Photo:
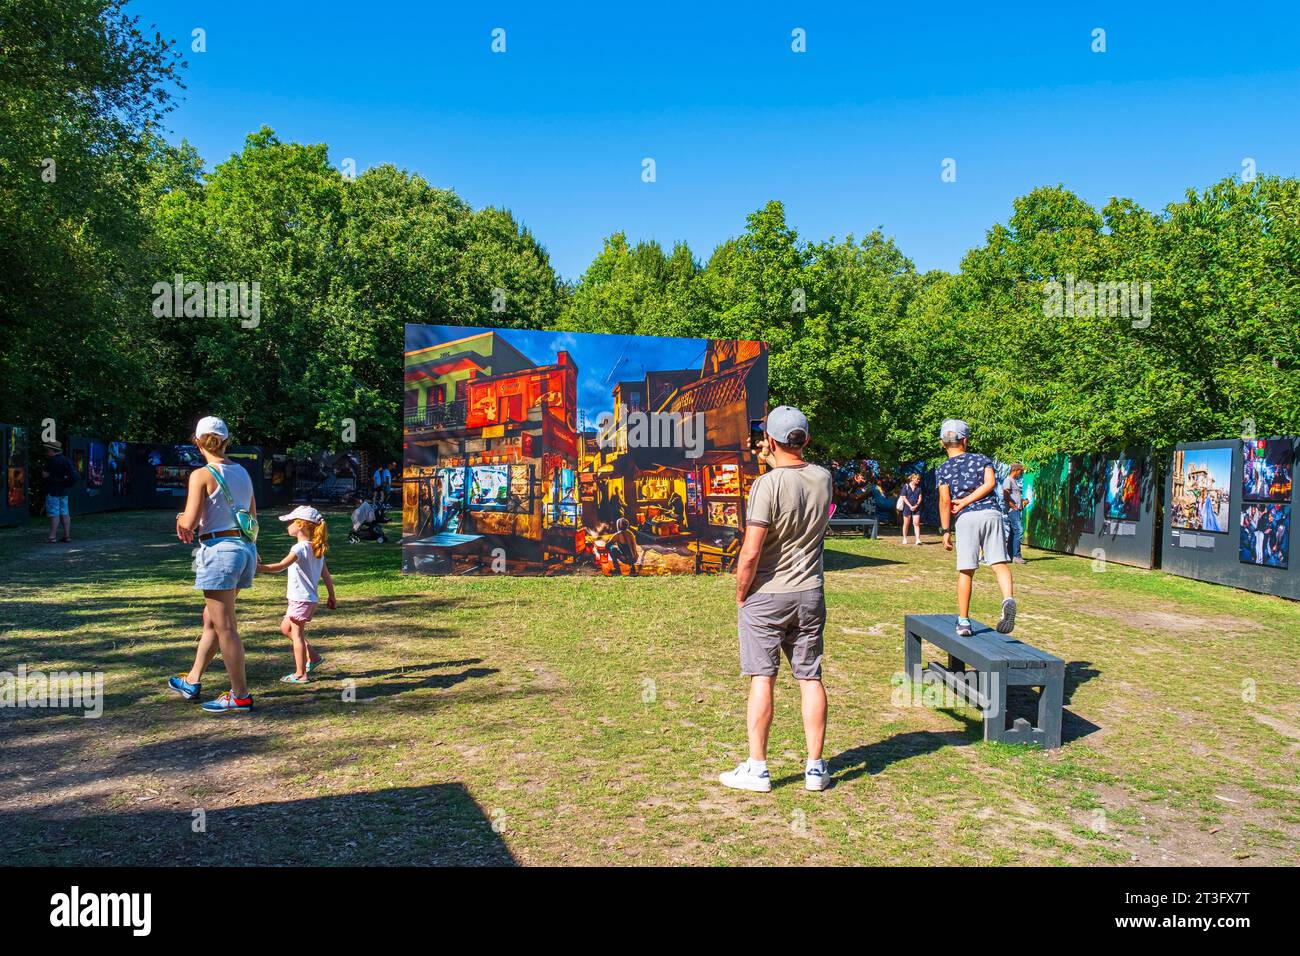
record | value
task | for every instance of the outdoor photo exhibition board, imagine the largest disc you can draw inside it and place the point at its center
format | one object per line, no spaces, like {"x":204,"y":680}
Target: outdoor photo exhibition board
{"x":1228,"y":514}
{"x":555,"y":452}
{"x":13,"y":475}
{"x":105,"y":476}
{"x":1101,"y":506}
{"x":115,"y":475}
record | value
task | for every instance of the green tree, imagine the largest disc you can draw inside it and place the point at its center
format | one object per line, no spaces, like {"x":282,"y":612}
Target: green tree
{"x":80,"y":87}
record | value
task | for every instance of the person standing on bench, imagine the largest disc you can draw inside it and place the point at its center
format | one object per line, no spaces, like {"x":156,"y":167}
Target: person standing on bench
{"x":779,"y":601}
{"x":967,"y":497}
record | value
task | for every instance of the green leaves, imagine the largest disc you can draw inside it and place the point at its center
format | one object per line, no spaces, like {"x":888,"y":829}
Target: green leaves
{"x":95,"y":209}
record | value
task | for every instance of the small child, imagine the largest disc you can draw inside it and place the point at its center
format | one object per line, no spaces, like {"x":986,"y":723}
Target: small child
{"x":966,"y":483}
{"x":306,"y":565}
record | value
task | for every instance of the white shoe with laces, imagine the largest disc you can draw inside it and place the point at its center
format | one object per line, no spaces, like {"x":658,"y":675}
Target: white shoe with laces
{"x":744,"y":778}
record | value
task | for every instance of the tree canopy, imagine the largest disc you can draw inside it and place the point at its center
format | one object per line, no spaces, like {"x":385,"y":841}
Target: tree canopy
{"x":1070,"y":329}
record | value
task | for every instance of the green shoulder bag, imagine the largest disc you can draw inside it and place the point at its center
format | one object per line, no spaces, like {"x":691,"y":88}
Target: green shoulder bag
{"x":247,"y":523}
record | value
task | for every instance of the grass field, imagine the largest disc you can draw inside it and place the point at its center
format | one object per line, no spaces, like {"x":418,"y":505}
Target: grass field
{"x":585,"y":720}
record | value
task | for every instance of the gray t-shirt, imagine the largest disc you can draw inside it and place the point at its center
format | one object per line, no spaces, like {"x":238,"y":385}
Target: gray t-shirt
{"x":794,"y":504}
{"x":1011,"y":488}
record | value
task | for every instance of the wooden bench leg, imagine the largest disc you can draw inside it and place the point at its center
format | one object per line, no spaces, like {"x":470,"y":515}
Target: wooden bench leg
{"x":912,"y":656}
{"x":994,"y":688}
{"x":1050,"y":702}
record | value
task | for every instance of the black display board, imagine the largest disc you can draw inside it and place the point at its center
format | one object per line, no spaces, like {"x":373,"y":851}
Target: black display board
{"x":271,"y":474}
{"x":165,"y":473}
{"x":277,"y":480}
{"x":118,"y":475}
{"x":1102,"y":506}
{"x":107,"y":476}
{"x":14,"y":466}
{"x":1227,"y":527}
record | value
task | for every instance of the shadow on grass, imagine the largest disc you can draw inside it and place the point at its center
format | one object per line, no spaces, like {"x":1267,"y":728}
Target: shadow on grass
{"x":835,"y":560}
{"x":1023,"y":702}
{"x":160,"y":634}
{"x":387,"y":687}
{"x":875,"y":757}
{"x":50,"y":756}
{"x":434,"y":825}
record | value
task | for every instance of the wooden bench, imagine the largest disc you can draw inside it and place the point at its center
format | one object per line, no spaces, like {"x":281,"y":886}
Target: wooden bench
{"x":870,"y":526}
{"x":999,"y":661}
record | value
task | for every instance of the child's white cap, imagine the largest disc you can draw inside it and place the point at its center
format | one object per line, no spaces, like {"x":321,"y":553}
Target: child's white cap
{"x":303,"y":513}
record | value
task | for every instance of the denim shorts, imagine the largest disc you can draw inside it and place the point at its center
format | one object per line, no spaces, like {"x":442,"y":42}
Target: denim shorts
{"x":222,"y":564}
{"x":56,"y":505}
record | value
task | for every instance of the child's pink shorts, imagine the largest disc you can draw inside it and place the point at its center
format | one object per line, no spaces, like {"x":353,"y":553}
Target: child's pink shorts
{"x":300,"y":612}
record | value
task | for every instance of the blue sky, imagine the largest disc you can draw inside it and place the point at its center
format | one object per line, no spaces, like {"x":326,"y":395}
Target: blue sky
{"x":850,"y":135}
{"x":603,"y":360}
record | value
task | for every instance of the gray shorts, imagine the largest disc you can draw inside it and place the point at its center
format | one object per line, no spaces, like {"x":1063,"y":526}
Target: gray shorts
{"x":978,"y":531}
{"x":770,"y":624}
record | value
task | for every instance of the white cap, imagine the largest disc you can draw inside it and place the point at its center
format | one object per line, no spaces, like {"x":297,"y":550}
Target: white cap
{"x":211,"y":425}
{"x":303,"y":513}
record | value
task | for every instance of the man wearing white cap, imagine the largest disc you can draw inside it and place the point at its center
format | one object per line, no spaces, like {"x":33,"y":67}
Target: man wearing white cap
{"x":967,"y":500}
{"x":779,"y":600}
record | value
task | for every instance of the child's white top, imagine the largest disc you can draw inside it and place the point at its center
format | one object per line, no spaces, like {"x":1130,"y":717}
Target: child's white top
{"x":304,"y":573}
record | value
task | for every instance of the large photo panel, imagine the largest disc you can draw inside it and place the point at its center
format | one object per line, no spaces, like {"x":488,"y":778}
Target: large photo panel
{"x":532,"y":452}
{"x":1100,"y":505}
{"x":1229,"y":509}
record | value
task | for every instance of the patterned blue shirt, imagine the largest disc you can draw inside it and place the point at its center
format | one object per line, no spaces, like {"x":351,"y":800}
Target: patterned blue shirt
{"x":963,"y":474}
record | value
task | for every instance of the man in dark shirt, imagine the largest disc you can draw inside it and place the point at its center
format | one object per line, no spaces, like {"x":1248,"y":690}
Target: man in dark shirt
{"x":966,"y":483}
{"x":60,"y":475}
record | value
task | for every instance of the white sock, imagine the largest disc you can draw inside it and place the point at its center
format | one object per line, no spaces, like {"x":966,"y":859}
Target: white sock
{"x":757,"y":767}
{"x":818,"y":764}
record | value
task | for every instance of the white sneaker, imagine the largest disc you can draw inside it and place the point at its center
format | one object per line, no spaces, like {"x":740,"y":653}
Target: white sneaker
{"x":742,"y":778}
{"x":815,"y":778}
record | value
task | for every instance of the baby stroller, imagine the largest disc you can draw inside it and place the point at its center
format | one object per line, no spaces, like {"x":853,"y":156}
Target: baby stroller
{"x":371,"y":529}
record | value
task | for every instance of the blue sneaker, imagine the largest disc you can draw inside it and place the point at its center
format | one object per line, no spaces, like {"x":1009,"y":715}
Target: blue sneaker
{"x":964,"y":628}
{"x":183,"y":687}
{"x":228,"y":703}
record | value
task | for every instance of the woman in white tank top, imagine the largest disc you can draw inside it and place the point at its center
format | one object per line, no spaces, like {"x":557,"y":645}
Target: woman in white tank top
{"x":215,"y":513}
{"x":224,"y":563}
